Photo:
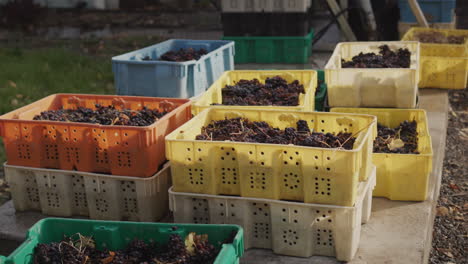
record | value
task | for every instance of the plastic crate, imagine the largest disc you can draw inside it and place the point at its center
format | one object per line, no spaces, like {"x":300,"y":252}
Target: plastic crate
{"x":402,"y":177}
{"x":116,"y":235}
{"x":288,"y":228}
{"x":404,"y":27}
{"x":99,"y":196}
{"x":442,"y":65}
{"x":357,"y":87}
{"x":273,"y":49}
{"x":214,"y":95}
{"x":288,"y":172}
{"x":230,"y":6}
{"x":135,"y":76}
{"x":435,"y":11}
{"x":118,"y":150}
{"x":321,"y":96}
{"x":265,"y":24}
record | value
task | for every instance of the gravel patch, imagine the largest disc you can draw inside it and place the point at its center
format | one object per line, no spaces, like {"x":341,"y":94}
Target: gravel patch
{"x":450,"y":233}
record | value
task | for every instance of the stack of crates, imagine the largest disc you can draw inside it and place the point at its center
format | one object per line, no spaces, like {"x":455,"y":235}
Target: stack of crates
{"x":105,"y":172}
{"x":390,"y":94}
{"x":296,"y":200}
{"x":268,"y":31}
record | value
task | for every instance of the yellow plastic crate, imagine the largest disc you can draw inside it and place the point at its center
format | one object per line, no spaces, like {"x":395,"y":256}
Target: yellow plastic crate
{"x":356,"y":87}
{"x":289,"y":172}
{"x":213,"y":95}
{"x":403,"y":27}
{"x":402,"y":177}
{"x":442,"y":65}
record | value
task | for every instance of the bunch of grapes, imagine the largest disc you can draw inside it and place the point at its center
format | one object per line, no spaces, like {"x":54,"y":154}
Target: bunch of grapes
{"x":176,"y":251}
{"x":104,"y":115}
{"x":183,"y":55}
{"x":243,"y":130}
{"x":385,"y":59}
{"x":275,"y":91}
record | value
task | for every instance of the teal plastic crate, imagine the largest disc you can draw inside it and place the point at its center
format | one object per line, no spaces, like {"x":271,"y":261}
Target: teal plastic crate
{"x":322,"y":94}
{"x":155,"y":78}
{"x":116,"y":235}
{"x":273,"y":49}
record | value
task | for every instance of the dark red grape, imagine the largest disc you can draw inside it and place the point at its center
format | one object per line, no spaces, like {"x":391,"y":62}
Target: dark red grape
{"x":275,"y":91}
{"x":104,"y":116}
{"x":385,"y":59}
{"x":243,"y":130}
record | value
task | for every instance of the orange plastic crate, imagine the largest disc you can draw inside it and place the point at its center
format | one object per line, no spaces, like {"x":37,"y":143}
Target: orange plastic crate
{"x":118,"y":150}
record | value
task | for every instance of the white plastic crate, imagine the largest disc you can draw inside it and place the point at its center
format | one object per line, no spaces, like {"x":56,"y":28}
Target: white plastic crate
{"x":234,"y":6}
{"x":288,"y":228}
{"x":99,"y":196}
{"x":372,"y":87}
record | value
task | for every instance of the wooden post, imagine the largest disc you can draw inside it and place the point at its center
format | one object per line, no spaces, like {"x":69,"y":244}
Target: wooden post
{"x":418,"y":13}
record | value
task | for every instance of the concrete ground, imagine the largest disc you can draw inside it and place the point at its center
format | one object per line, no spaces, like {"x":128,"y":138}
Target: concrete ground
{"x":398,"y":232}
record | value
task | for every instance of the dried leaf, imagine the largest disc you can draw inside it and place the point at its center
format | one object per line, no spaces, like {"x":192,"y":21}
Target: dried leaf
{"x":454,"y":186}
{"x":108,"y":259}
{"x":85,"y":242}
{"x":442,"y":211}
{"x":12,"y":84}
{"x":395,"y":143}
{"x":447,"y":252}
{"x":190,"y":243}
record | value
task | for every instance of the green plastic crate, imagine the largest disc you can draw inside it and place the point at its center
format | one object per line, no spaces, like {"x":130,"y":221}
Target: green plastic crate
{"x":116,"y":235}
{"x":322,"y":94}
{"x":273,"y":49}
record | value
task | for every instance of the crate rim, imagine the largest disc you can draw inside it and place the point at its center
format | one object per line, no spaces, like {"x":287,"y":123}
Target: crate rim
{"x":369,"y":183}
{"x":226,"y":73}
{"x":93,"y":174}
{"x":97,"y":126}
{"x":228,"y":43}
{"x":172,"y":136}
{"x":233,"y":38}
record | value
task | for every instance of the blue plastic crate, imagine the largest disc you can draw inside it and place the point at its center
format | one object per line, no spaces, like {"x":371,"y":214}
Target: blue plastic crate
{"x":435,"y":11}
{"x":135,"y":76}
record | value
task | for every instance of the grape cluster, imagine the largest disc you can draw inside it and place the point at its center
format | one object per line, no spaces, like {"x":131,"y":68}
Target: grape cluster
{"x":406,"y":131}
{"x":182,"y":55}
{"x":438,"y":37}
{"x":385,"y":59}
{"x":137,"y":252}
{"x":243,"y":130}
{"x":104,"y":115}
{"x":275,"y":91}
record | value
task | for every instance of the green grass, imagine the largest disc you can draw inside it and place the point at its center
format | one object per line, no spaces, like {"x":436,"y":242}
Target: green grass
{"x":27,"y":75}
